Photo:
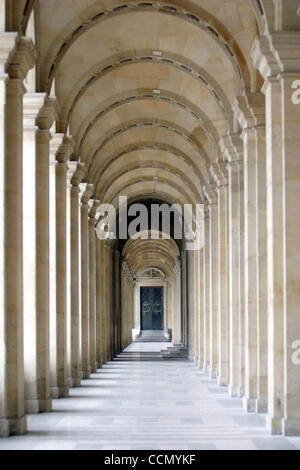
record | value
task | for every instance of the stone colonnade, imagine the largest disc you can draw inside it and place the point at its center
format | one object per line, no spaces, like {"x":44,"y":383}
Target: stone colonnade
{"x":247,"y":314}
{"x":60,"y":295}
{"x":53,"y":289}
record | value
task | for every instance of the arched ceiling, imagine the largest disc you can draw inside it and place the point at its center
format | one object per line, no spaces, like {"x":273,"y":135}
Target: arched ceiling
{"x":145,"y":88}
{"x":141,"y":254}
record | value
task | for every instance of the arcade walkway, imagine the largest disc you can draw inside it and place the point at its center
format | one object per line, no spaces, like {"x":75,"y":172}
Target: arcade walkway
{"x":148,"y":404}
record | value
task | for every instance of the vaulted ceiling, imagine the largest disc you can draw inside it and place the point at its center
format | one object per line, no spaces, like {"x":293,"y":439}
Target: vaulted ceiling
{"x":145,"y":88}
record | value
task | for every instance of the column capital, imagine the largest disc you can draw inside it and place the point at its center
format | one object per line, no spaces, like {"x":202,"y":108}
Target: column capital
{"x":219,"y":173}
{"x":79,"y":174}
{"x":55,"y":143}
{"x":210,"y":194}
{"x":65,"y":149}
{"x":276,"y":52}
{"x":93,"y":204}
{"x":231,"y":147}
{"x":32,"y":105}
{"x":21,"y":59}
{"x":71,"y":169}
{"x":87,"y":192}
{"x":249,"y":110}
{"x":48,"y":113}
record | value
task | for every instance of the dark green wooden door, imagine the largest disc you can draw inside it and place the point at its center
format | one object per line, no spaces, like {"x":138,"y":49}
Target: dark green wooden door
{"x":152,"y":308}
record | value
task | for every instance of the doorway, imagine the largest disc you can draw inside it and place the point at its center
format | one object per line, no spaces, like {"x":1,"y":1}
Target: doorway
{"x":152,"y":308}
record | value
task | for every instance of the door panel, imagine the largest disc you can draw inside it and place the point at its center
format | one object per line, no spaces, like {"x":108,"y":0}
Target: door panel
{"x":152,"y":308}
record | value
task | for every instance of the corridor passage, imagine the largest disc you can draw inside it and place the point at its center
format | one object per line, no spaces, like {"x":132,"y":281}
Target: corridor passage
{"x":148,"y":404}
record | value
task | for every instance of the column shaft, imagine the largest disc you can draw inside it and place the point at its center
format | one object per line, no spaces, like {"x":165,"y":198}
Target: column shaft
{"x":75,"y":287}
{"x":223,"y":323}
{"x":12,"y":419}
{"x":207,"y":299}
{"x":61,"y":287}
{"x":85,"y":353}
{"x":99,"y":267}
{"x":92,"y":294}
{"x":213,"y":368}
{"x":36,"y":258}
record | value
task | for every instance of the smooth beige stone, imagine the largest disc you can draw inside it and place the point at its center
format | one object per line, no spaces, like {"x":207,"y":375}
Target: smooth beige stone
{"x":103,"y":304}
{"x":213,"y":327}
{"x":207,"y":301}
{"x":92,"y":291}
{"x":223,"y":320}
{"x":13,"y":371}
{"x":36,"y":251}
{"x":99,"y":313}
{"x":85,"y":356}
{"x":75,"y":288}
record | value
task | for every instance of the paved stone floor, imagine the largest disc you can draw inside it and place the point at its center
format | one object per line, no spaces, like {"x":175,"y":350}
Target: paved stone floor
{"x":148,"y":404}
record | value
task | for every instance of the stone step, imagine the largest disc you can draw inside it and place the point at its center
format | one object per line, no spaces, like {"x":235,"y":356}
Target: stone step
{"x":175,"y":352}
{"x":139,"y":356}
{"x":152,"y":336}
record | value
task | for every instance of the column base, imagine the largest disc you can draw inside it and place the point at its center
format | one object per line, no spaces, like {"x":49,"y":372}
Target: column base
{"x":233,"y":390}
{"x":261,"y":406}
{"x":99,"y":364}
{"x":222,"y":381}
{"x":13,"y":427}
{"x":4,"y":428}
{"x":213,"y":373}
{"x":249,"y":404}
{"x":206,"y":367}
{"x":59,"y":392}
{"x":75,"y":382}
{"x":93,"y":368}
{"x":291,"y":427}
{"x":35,"y":406}
{"x":274,"y":425}
{"x":241,"y":391}
{"x":86,"y":373}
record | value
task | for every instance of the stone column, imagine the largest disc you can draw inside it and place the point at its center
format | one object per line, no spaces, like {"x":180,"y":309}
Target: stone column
{"x":103,"y":303}
{"x":242,"y":283}
{"x":250,"y":113}
{"x":61,"y":286}
{"x":177,"y":327}
{"x":201,"y":308}
{"x":39,"y":113}
{"x":85,"y":349}
{"x":99,"y":267}
{"x":109,"y":270}
{"x":196,"y":305}
{"x":183,"y":294}
{"x":93,"y":204}
{"x":60,"y":386}
{"x":223,"y":314}
{"x":261,"y":248}
{"x":213,"y":287}
{"x":207,"y":300}
{"x":72,"y":273}
{"x":191,"y":305}
{"x":55,"y":143}
{"x":17,"y":55}
{"x":117,"y":284}
{"x":231,"y":147}
{"x":277,"y":57}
